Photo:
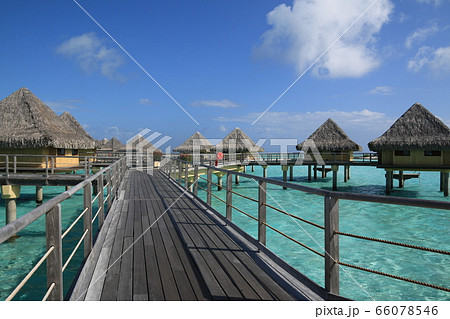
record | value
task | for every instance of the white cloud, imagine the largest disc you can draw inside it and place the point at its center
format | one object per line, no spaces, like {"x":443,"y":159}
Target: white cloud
{"x":215,"y":103}
{"x":63,"y":105}
{"x":301,"y":33}
{"x":145,"y":101}
{"x":382,"y":90}
{"x":92,"y":55}
{"x":420,"y":35}
{"x":436,"y":60}
{"x":222,"y":128}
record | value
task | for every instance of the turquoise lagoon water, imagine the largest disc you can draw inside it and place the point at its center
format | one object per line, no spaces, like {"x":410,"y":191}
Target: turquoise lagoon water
{"x":417,"y":226}
{"x":424,"y":227}
{"x":17,"y":258}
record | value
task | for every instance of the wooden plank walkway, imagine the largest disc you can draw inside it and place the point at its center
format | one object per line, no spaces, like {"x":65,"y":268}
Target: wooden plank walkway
{"x":158,"y":243}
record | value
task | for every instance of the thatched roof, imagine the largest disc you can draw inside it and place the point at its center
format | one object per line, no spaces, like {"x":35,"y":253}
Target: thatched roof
{"x":75,"y":125}
{"x":238,"y":137}
{"x":114,"y":145}
{"x":329,"y":137}
{"x":139,"y":143}
{"x":188,"y":145}
{"x":417,"y":128}
{"x":26,"y":122}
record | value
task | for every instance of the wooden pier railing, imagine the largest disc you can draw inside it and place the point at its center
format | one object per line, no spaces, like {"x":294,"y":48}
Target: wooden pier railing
{"x":113,"y":175}
{"x":183,"y":172}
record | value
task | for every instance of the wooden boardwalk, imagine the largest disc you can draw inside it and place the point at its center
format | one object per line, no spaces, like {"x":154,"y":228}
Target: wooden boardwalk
{"x":159,"y":243}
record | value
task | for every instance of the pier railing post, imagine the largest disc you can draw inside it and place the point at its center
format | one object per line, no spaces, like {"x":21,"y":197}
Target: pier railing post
{"x":196,"y":179}
{"x":229,"y":196}
{"x":186,"y":173}
{"x":87,"y":218}
{"x":46,"y":167}
{"x":262,"y":212}
{"x":101,"y":206}
{"x":85,"y":168}
{"x":331,"y":213}
{"x":7,"y":166}
{"x":179,"y":172}
{"x":15,"y":164}
{"x":54,"y":260}
{"x":208,"y":185}
{"x":108,"y":189}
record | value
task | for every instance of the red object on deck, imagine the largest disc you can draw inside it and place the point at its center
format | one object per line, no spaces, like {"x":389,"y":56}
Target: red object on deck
{"x":217,"y":162}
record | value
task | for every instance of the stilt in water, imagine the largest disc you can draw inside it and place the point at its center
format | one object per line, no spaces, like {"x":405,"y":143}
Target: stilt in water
{"x":389,"y":175}
{"x":324,"y":173}
{"x":291,"y":173}
{"x":309,"y":172}
{"x":285,"y":169}
{"x":39,"y":195}
{"x":264,"y":167}
{"x":335,"y":171}
{"x":446,"y":184}
{"x":315,"y":171}
{"x":401,"y":181}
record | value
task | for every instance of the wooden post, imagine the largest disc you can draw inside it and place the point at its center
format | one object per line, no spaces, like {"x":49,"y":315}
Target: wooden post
{"x":52,"y":163}
{"x":46,"y":167}
{"x":262,"y":212}
{"x":7,"y":166}
{"x":87,"y":218}
{"x":315,"y":171}
{"x":219,"y":182}
{"x":196,"y":179}
{"x":39,"y":195}
{"x":388,"y":182}
{"x":208,"y":185}
{"x":446,"y":184}
{"x":335,"y":180}
{"x":229,"y":197}
{"x":14,"y":164}
{"x":108,"y":189}
{"x":179,"y":172}
{"x":285,"y":169}
{"x":401,"y":181}
{"x":186,"y":173}
{"x":348,"y":172}
{"x":309,"y":173}
{"x":291,"y":173}
{"x":236,"y":177}
{"x":324,"y":173}
{"x":331,"y":244}
{"x":101,"y":207}
{"x":264,"y":167}
{"x":54,"y":260}
{"x":11,"y":210}
{"x":253,"y":168}
{"x":345,"y":173}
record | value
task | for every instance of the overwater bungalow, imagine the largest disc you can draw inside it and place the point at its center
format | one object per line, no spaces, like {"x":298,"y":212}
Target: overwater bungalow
{"x":332,"y":142}
{"x":113,"y":145}
{"x":240,"y":141}
{"x":201,"y":142}
{"x":28,"y":126}
{"x":417,"y":141}
{"x":76,"y":126}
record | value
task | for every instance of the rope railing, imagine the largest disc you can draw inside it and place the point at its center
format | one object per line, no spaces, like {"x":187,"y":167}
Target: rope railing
{"x":331,"y":213}
{"x":437,"y":251}
{"x":73,"y":223}
{"x":49,"y":291}
{"x":75,"y":249}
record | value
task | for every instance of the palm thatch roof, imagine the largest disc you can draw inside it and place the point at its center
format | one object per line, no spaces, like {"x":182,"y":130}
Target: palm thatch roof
{"x":139,"y":143}
{"x":188,"y":145}
{"x":114,"y":145}
{"x":75,"y":125}
{"x":329,"y":137}
{"x":417,"y":128}
{"x":26,"y":122}
{"x":241,"y":140}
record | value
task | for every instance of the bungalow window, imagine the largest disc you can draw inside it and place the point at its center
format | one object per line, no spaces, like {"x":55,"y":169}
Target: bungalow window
{"x":432,"y":153}
{"x":74,"y":152}
{"x":402,"y":153}
{"x":61,"y":151}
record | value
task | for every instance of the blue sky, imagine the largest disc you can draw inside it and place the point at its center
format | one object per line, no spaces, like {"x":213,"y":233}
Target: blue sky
{"x":226,"y":62}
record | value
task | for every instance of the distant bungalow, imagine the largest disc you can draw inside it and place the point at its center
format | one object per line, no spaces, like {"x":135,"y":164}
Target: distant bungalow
{"x":76,"y":126}
{"x":28,"y":126}
{"x":236,"y":139}
{"x":204,"y":146}
{"x":113,"y":145}
{"x":417,"y":141}
{"x":334,"y":146}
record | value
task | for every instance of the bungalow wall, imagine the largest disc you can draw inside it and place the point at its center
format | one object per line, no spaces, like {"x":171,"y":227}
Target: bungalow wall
{"x":344,"y":156}
{"x":416,"y":158}
{"x":39,"y":161}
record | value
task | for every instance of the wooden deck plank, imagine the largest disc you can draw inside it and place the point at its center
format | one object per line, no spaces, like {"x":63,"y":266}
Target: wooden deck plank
{"x":125,"y":287}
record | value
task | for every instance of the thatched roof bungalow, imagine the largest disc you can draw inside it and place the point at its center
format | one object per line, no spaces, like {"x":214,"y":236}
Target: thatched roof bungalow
{"x":418,"y":139}
{"x":240,"y":141}
{"x":113,"y":145}
{"x":28,"y":126}
{"x":76,"y":126}
{"x":332,"y":142}
{"x":203,"y":145}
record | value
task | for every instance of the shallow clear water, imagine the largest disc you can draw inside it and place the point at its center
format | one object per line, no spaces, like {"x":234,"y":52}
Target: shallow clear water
{"x":19,"y":256}
{"x":417,"y":226}
{"x":424,"y":227}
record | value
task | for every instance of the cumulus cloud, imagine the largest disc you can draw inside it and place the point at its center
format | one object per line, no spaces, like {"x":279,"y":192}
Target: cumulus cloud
{"x":145,"y":101}
{"x":437,"y":61}
{"x":300,"y":33}
{"x":382,"y":90}
{"x":420,"y":35}
{"x":216,"y":103}
{"x":92,"y":55}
